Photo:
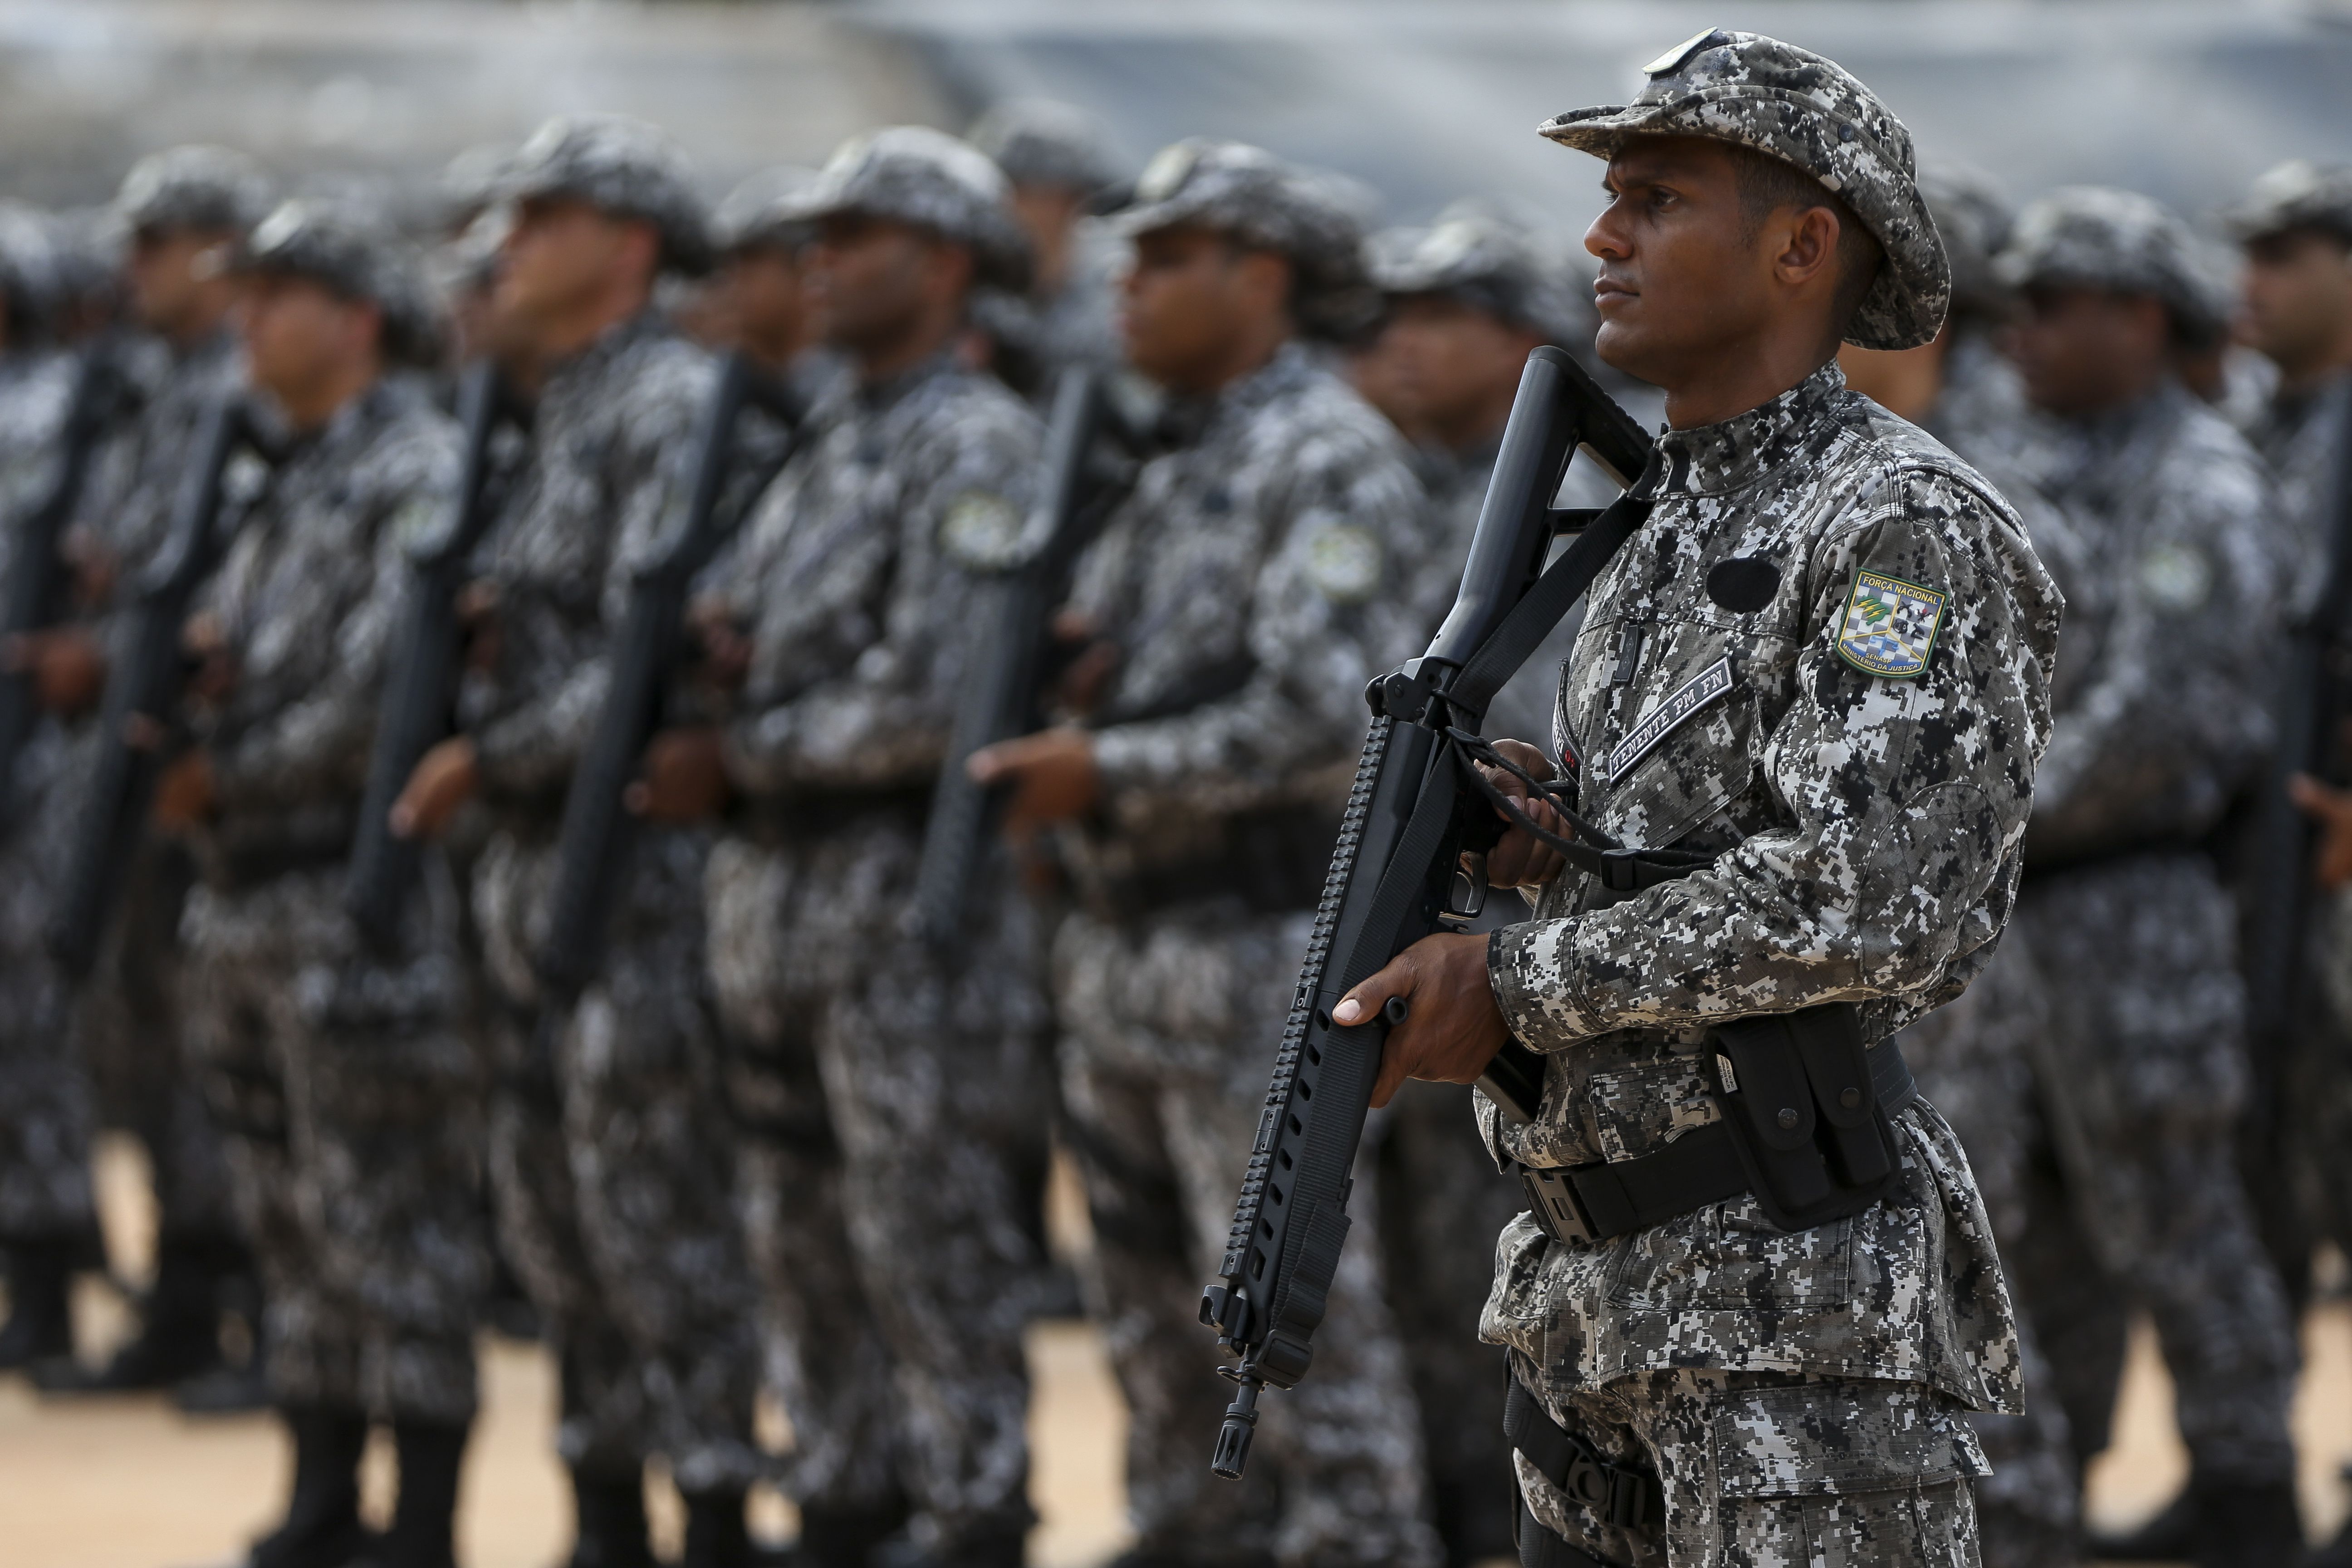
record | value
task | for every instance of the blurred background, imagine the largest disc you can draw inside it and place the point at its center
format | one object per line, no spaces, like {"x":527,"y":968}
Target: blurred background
{"x":1423,"y":102}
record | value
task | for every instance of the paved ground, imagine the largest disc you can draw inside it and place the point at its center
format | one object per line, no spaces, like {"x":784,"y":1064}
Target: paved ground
{"x":128,"y":1483}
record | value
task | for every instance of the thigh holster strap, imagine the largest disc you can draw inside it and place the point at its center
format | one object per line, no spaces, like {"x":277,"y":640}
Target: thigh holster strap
{"x":1622,"y":1495}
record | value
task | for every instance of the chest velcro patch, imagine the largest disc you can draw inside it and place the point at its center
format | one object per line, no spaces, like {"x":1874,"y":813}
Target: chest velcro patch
{"x":1889,"y":626}
{"x":1669,"y":716}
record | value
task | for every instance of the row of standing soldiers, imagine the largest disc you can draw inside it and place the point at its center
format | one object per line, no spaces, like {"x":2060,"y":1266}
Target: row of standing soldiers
{"x":776,"y":1138}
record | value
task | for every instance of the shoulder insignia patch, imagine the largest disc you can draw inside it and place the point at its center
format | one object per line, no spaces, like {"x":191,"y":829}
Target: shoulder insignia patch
{"x":981,"y":530}
{"x":1667,"y":716}
{"x":1343,"y":561}
{"x":1889,"y":626}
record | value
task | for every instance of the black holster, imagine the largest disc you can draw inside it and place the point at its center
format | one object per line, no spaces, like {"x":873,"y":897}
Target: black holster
{"x":1812,"y":1131}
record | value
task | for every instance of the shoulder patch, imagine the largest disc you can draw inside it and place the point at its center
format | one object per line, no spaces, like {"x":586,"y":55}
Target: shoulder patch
{"x":982,"y":531}
{"x":1343,"y":561}
{"x":1889,"y":626}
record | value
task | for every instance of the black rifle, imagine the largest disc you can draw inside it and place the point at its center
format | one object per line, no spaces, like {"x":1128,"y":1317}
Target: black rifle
{"x":35,"y":595}
{"x":1418,"y":818}
{"x":143,"y":690}
{"x":1089,"y":468}
{"x":2315,"y":699}
{"x":421,"y":680}
{"x":593,"y":846}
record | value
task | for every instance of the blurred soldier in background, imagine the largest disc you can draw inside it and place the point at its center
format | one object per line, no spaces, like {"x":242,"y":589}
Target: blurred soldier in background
{"x":1468,"y":300}
{"x":47,"y":1226}
{"x":763,"y":235}
{"x":905,"y":1304}
{"x":1058,"y":159}
{"x":2176,"y":606}
{"x":609,"y":1150}
{"x":186,"y":212}
{"x":349,"y":1099}
{"x":1973,"y":1057}
{"x":1237,"y":601}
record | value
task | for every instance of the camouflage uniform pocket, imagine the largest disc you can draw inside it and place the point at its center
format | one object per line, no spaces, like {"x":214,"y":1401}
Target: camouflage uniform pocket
{"x":1729,"y":1257}
{"x":1641,"y":1109}
{"x":1697,"y":768}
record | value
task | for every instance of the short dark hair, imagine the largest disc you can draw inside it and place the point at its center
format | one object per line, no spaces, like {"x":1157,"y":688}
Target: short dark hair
{"x":1766,"y":185}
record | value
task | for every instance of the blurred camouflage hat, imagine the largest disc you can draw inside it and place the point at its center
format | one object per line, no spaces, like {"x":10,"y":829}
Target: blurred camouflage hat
{"x":356,"y":260}
{"x":1314,"y":218}
{"x":1791,"y":104}
{"x":2096,"y":236}
{"x":915,"y":174}
{"x":196,"y":186}
{"x":1974,"y":220}
{"x":2297,"y":194}
{"x":1479,"y":253}
{"x":769,"y":208}
{"x":1037,"y":142}
{"x":622,"y":166}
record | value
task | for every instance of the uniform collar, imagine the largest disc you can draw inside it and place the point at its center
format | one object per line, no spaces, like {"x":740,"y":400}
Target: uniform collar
{"x":607,"y":346}
{"x":873,"y":396}
{"x":1712,"y":459}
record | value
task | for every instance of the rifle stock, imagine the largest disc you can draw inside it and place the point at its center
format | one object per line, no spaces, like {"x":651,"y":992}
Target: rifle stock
{"x":421,"y":681}
{"x":595,"y":840}
{"x":1394,"y":877}
{"x":144,"y":685}
{"x":34,"y":597}
{"x":1000,"y":697}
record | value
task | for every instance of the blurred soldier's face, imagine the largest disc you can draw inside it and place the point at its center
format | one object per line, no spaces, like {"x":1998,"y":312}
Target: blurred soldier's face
{"x":1049,"y":214}
{"x":1197,"y":311}
{"x":2298,"y":297}
{"x":767,"y":301}
{"x":1455,"y":366}
{"x":876,"y":282}
{"x":2084,"y":350}
{"x":180,"y":281}
{"x":565,"y":266}
{"x":306,"y":346}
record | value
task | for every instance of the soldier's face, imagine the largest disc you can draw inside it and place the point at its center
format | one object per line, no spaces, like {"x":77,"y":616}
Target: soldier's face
{"x":2083,"y":351}
{"x":562,"y":257}
{"x":300,"y":338}
{"x":765,"y":293}
{"x":1684,"y":270}
{"x":2298,"y":298}
{"x":179,"y":279}
{"x":1453,"y":363}
{"x":1190,"y":301}
{"x":872,"y":279}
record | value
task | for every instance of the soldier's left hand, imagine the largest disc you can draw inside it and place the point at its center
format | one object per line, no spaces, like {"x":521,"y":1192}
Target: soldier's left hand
{"x":2332,"y":809}
{"x":1452,"y":1027}
{"x":1052,"y":773}
{"x":183,"y":793}
{"x":685,"y":777}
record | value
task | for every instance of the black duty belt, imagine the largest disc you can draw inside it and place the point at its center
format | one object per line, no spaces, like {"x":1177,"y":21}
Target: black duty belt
{"x":1625,"y":1496}
{"x":1592,"y":1202}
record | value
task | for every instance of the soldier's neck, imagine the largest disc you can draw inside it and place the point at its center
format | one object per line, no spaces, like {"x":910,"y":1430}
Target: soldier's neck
{"x":564,"y":335}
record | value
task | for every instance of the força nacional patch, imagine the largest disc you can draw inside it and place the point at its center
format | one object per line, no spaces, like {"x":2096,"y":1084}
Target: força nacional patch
{"x":1889,"y":627}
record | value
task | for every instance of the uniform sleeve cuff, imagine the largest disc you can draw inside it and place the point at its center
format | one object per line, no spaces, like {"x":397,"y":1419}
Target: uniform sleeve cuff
{"x":1533,"y":970}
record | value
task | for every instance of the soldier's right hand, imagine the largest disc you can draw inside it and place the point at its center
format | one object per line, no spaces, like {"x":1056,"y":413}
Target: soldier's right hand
{"x":1520,"y":859}
{"x":67,"y":666}
{"x":446,"y":778}
{"x":2331,"y":808}
{"x":685,"y":777}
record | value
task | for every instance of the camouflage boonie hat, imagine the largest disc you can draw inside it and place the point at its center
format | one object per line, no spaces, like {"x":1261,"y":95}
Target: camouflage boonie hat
{"x":193,"y":188}
{"x":2297,"y":194}
{"x":1039,"y":143}
{"x":1974,"y":221}
{"x":914,"y":175}
{"x":1480,"y":255}
{"x":622,"y":166}
{"x":1315,"y":218}
{"x":1791,"y":104}
{"x":769,"y":208}
{"x":2096,"y":236}
{"x":354,"y":260}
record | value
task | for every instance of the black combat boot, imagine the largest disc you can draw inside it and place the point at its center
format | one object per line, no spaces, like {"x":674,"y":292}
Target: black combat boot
{"x":609,"y":1511}
{"x":179,"y":1329}
{"x":321,"y":1528}
{"x":715,"y":1535}
{"x":835,"y":1537}
{"x":2242,"y":1524}
{"x":423,"y":1520}
{"x":40,"y":1318}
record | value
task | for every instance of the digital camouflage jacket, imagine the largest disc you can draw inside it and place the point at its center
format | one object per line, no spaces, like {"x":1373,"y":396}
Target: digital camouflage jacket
{"x":1826,"y":655}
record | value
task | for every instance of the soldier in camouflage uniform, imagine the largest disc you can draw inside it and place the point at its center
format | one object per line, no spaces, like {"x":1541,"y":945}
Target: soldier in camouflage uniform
{"x":1468,"y":298}
{"x":763,"y":233}
{"x":904,"y":1089}
{"x":1862,"y":780}
{"x":1059,"y":162}
{"x":186,"y":211}
{"x":350,"y":1100}
{"x":609,"y":1156}
{"x":2177,"y":605}
{"x":1259,"y":575}
{"x":46,"y":1221}
{"x":1972,"y":1058}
